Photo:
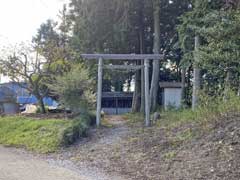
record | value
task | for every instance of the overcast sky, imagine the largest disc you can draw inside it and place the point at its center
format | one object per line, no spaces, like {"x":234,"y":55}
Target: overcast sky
{"x":19,"y":19}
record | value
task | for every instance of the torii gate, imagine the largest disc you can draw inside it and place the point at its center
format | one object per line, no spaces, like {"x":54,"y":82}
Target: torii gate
{"x":101,"y":57}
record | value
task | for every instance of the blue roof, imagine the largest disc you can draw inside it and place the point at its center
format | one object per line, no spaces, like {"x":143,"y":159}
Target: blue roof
{"x":13,"y":91}
{"x":7,"y":95}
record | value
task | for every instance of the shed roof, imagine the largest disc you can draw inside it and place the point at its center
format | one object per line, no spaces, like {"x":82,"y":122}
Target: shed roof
{"x":170,"y":85}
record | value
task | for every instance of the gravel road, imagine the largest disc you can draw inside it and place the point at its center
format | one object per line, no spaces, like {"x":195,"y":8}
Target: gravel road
{"x":17,"y":165}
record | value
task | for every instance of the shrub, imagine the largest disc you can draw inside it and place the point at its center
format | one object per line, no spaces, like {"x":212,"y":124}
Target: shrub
{"x":77,"y":129}
{"x":74,"y":89}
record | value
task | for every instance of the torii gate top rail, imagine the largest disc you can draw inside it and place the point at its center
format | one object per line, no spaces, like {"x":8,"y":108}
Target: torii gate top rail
{"x":101,"y":57}
{"x":123,"y":56}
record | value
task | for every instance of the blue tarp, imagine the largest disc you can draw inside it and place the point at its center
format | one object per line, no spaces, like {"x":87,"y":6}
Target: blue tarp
{"x":23,"y":97}
{"x":33,"y":100}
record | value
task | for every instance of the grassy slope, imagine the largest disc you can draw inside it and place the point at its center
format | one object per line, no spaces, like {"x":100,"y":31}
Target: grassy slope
{"x":184,"y":125}
{"x":210,"y":110}
{"x":201,"y":144}
{"x":39,"y":135}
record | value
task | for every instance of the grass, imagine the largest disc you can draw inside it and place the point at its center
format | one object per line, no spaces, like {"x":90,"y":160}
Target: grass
{"x":185,"y":135}
{"x":210,"y":109}
{"x":134,"y":117}
{"x":106,"y":123}
{"x":170,"y":155}
{"x":43,"y":136}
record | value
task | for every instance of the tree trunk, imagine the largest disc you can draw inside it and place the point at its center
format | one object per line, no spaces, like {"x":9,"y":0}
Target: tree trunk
{"x":137,"y":92}
{"x":196,"y":75}
{"x":188,"y":88}
{"x":238,"y":94}
{"x":227,"y":84}
{"x":156,"y":63}
{"x":141,"y":51}
{"x":183,"y":81}
{"x":41,"y":104}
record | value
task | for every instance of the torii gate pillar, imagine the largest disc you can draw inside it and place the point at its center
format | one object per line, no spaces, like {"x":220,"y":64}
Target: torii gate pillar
{"x":147,"y":95}
{"x":99,"y":91}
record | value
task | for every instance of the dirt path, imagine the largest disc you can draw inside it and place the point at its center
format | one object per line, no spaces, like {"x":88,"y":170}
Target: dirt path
{"x":93,"y":151}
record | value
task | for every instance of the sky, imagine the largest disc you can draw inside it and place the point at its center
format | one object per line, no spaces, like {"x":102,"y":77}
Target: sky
{"x":20,"y":19}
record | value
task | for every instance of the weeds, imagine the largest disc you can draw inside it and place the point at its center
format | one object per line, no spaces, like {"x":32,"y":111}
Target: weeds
{"x":170,"y":155}
{"x":134,"y":117}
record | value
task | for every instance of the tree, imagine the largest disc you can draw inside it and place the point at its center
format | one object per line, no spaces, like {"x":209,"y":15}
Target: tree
{"x":221,"y":49}
{"x":100,"y":27}
{"x":191,"y":37}
{"x":165,"y":20}
{"x":156,"y":50}
{"x":25,"y":65}
{"x":53,"y":45}
{"x":119,"y":26}
{"x":138,"y":22}
{"x":74,"y":89}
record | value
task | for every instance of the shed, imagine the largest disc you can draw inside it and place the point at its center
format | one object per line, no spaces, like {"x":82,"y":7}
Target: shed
{"x":8,"y":102}
{"x":171,"y":94}
{"x":114,"y":103}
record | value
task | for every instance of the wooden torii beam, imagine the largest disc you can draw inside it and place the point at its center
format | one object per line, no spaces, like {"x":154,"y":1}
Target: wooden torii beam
{"x":119,"y":67}
{"x":101,"y":57}
{"x":123,"y":56}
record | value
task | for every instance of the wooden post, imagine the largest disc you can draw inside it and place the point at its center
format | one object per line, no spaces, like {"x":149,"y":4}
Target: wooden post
{"x":99,"y":91}
{"x":147,"y":97}
{"x":142,"y":88}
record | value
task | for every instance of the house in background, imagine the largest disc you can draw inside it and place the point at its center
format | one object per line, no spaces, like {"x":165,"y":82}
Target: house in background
{"x":23,"y":96}
{"x":8,"y":101}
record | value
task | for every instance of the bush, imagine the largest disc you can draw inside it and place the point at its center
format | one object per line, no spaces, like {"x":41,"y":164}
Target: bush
{"x":74,"y":89}
{"x":77,"y":129}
